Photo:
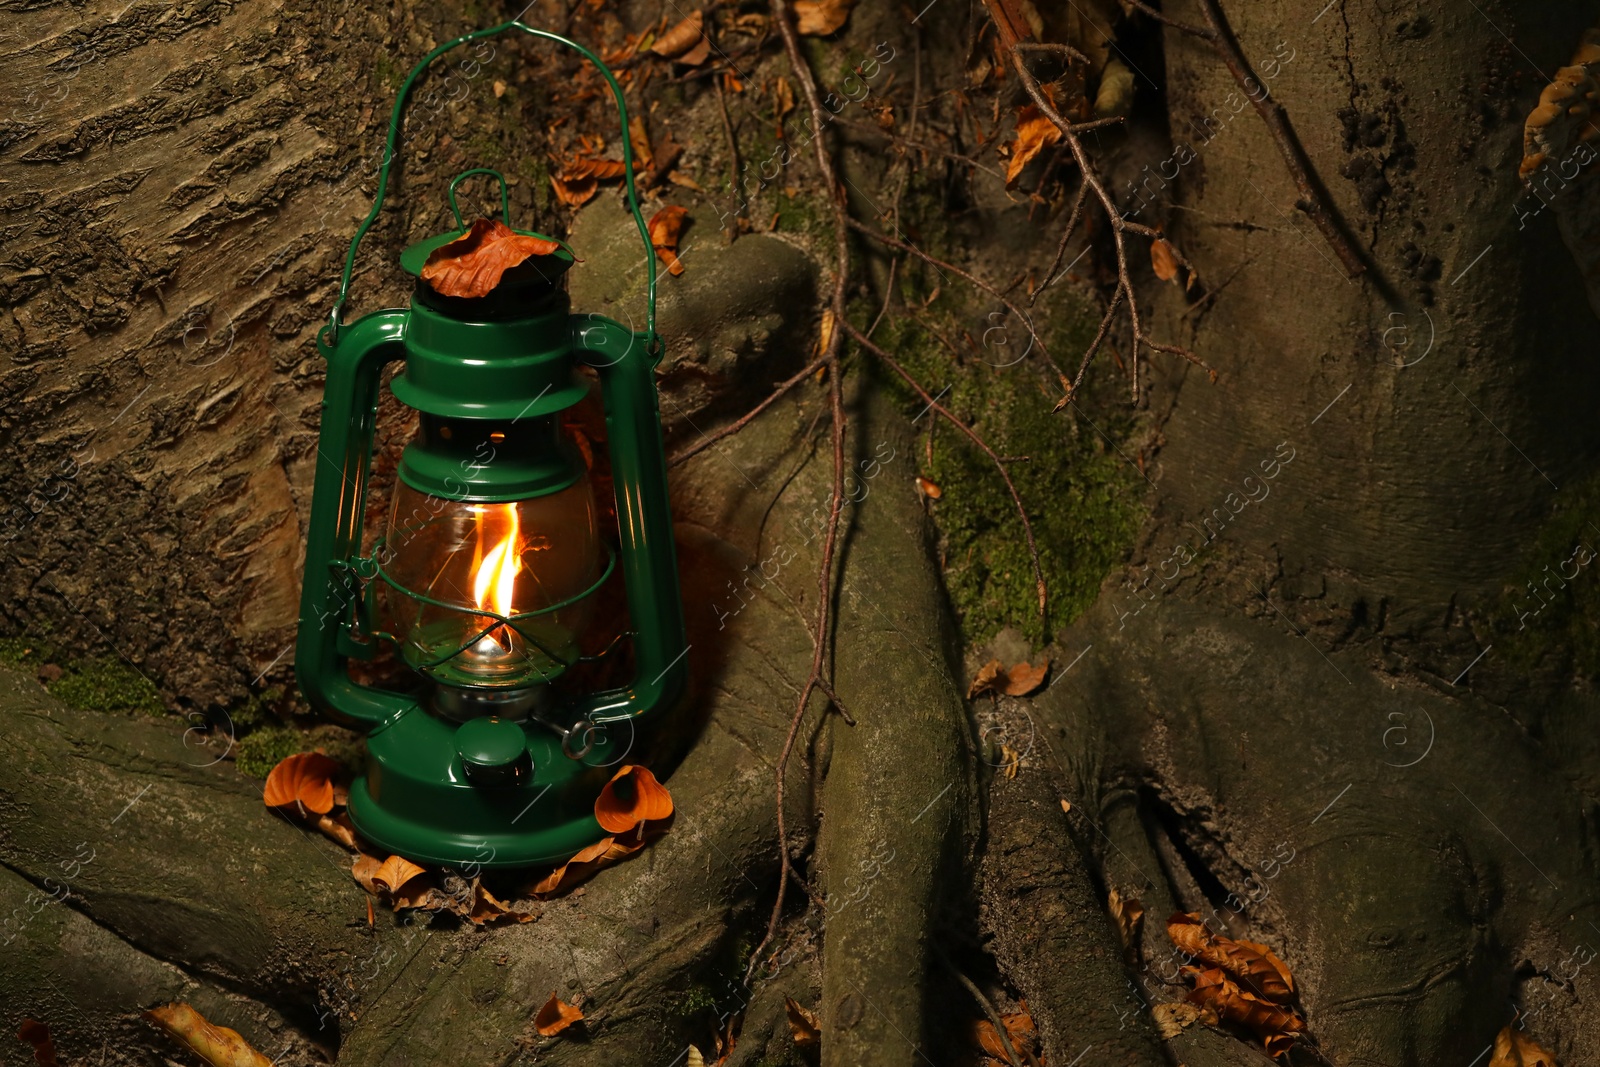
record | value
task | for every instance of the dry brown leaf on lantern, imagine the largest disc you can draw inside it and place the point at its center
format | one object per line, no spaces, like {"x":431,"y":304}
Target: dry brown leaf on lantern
{"x":302,"y":783}
{"x":1254,"y":966}
{"x":217,"y":1045}
{"x":1162,"y":261}
{"x":818,"y":18}
{"x":1128,"y":913}
{"x":666,"y":226}
{"x":556,"y":1016}
{"x":631,"y":798}
{"x":682,"y":37}
{"x":803,"y":1025}
{"x":1023,"y":679}
{"x":473,"y":264}
{"x":1513,"y":1048}
{"x":929,"y":488}
{"x":37,"y":1034}
{"x":1174,"y":1018}
{"x":1035,"y":133}
{"x":987,"y":680}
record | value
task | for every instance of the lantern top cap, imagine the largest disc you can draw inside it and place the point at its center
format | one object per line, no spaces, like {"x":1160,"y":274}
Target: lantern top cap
{"x":550,"y":267}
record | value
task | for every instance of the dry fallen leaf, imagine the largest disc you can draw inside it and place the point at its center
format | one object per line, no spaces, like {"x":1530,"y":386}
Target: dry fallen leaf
{"x":338,"y":828}
{"x":1023,"y":679}
{"x":217,"y":1045}
{"x":683,"y":37}
{"x":783,"y":94}
{"x":1174,"y":1018}
{"x":37,"y":1034}
{"x":639,"y":137}
{"x":1019,"y":1030}
{"x":1513,"y":1048}
{"x":556,"y":1016}
{"x":633,"y":796}
{"x":472,"y":264}
{"x":1035,"y":133}
{"x":1162,"y":261}
{"x":1253,"y":966}
{"x":394,"y":873}
{"x":1246,"y":984}
{"x":929,"y":488}
{"x":489,"y":910}
{"x":1275,"y":1024}
{"x":818,"y":18}
{"x":303,"y":783}
{"x":363,"y":868}
{"x":803,"y":1026}
{"x":987,"y":680}
{"x":665,"y":227}
{"x":1128,"y":913}
{"x":583,"y":866}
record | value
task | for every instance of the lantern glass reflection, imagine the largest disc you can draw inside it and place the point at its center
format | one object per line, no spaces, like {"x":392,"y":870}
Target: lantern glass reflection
{"x":506,"y":558}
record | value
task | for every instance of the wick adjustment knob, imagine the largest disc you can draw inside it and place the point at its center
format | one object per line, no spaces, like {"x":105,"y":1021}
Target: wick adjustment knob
{"x":494,"y":751}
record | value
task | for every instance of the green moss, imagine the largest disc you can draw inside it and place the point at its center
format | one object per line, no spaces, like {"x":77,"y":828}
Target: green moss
{"x":698,"y":998}
{"x":388,"y":75}
{"x":261,"y":750}
{"x":535,"y":170}
{"x":1086,"y":502}
{"x":1549,"y":615}
{"x":96,"y":683}
{"x":486,"y":150}
{"x":109,"y":684}
{"x":803,"y":214}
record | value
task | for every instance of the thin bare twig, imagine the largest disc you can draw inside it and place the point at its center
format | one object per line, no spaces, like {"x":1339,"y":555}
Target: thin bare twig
{"x":1061,"y":248}
{"x":1184,"y":27}
{"x":989,"y":1009}
{"x":830,"y":358}
{"x":733,"y":154}
{"x":894,"y":242}
{"x":1120,"y":226}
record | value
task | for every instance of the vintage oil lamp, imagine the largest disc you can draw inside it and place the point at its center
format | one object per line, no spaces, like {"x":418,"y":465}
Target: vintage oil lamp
{"x":492,"y":553}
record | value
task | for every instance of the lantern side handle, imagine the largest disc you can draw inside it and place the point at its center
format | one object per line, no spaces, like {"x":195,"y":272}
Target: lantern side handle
{"x":330,"y":593}
{"x":335,"y":317}
{"x":626,"y":363}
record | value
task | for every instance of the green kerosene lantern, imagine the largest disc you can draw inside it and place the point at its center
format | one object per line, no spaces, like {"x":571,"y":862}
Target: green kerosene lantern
{"x":492,"y":552}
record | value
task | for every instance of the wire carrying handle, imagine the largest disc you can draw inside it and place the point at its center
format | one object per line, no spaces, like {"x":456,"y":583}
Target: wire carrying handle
{"x":505,"y":194}
{"x":336,"y":315}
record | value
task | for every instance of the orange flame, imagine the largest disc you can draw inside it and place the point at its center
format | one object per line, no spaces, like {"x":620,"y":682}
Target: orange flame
{"x":496,"y":579}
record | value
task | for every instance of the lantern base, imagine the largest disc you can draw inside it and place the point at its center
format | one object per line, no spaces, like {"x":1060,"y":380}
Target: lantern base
{"x":416,"y":801}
